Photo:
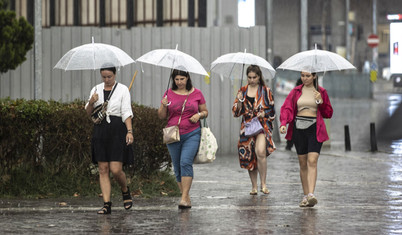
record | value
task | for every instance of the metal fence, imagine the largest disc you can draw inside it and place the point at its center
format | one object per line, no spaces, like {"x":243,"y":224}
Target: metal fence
{"x":205,"y":44}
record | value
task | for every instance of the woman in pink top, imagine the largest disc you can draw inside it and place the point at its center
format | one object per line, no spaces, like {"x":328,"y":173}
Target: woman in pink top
{"x":184,"y":151}
{"x":304,"y":110}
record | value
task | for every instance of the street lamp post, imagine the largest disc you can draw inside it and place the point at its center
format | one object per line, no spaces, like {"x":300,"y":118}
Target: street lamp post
{"x":38,"y":50}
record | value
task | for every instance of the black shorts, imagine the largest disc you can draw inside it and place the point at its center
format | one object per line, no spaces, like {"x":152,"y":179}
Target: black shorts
{"x":305,"y":140}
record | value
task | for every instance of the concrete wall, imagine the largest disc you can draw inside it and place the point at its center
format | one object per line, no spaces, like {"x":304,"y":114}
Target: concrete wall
{"x":348,"y":85}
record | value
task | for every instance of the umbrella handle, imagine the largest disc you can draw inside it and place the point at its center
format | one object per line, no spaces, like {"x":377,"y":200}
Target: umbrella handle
{"x":132,"y":80}
{"x":169,"y":102}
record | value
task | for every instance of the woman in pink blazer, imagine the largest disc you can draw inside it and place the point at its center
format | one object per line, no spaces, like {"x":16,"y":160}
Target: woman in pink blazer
{"x":304,"y":110}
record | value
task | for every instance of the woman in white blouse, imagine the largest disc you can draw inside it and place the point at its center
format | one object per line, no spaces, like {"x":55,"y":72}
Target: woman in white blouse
{"x":112,"y":137}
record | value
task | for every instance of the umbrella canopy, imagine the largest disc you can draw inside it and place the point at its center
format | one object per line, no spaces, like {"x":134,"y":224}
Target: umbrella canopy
{"x":315,"y":60}
{"x":173,"y":59}
{"x":93,"y":56}
{"x":227,"y":63}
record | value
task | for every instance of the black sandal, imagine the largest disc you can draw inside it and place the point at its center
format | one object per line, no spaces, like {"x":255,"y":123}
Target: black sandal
{"x":106,"y":209}
{"x":127,"y":200}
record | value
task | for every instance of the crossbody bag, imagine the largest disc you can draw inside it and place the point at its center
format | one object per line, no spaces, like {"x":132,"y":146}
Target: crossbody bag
{"x":99,"y":112}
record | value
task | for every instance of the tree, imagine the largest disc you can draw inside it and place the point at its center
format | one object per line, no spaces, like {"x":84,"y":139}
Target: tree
{"x":16,"y":39}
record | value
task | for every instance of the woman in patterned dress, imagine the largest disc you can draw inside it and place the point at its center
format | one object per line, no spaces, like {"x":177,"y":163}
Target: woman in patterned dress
{"x":255,"y":100}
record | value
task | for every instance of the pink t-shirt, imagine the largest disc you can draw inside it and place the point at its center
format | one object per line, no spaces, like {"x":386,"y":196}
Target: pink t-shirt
{"x":194,"y":99}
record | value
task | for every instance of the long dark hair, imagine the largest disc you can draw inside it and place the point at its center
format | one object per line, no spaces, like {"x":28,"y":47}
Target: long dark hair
{"x":315,"y":80}
{"x":256,"y":69}
{"x":175,"y":73}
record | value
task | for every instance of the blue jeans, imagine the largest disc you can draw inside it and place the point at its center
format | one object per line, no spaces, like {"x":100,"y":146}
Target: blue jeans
{"x":183,"y":153}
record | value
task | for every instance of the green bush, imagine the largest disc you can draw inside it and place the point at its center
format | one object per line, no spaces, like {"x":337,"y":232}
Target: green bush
{"x":45,"y":149}
{"x":150,"y":153}
{"x":16,"y":39}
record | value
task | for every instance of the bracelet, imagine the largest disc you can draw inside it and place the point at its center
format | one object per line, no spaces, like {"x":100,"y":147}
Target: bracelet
{"x":241,"y":100}
{"x":130,"y":131}
{"x":318,"y":101}
{"x":199,"y":114}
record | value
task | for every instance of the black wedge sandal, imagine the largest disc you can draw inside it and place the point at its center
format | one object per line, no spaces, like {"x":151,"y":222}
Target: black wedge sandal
{"x":127,"y":200}
{"x":106,"y":209}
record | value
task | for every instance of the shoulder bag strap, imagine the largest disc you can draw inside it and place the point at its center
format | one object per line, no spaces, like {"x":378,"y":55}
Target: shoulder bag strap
{"x":182,"y":109}
{"x":110,"y":95}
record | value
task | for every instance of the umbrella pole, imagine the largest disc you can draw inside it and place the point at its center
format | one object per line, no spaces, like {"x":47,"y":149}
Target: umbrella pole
{"x":167,"y":88}
{"x":322,"y":80}
{"x":171,"y":70}
{"x":132,"y":81}
{"x":241,"y":78}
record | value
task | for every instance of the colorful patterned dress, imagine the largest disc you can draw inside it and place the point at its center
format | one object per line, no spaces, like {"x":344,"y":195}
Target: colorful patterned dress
{"x":246,"y":145}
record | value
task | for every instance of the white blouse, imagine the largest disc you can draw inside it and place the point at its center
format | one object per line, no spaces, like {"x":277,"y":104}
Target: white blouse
{"x":119,"y":103}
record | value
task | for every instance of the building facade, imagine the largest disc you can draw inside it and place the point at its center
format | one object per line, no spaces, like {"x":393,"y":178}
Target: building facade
{"x":115,"y":13}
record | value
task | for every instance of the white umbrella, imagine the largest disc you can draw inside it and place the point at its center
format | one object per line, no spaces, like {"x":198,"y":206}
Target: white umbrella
{"x":173,"y":59}
{"x":228,"y":63}
{"x":93,"y":56}
{"x":315,"y":60}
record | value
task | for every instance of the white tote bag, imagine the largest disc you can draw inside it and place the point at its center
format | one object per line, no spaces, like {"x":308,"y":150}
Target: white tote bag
{"x":208,"y":146}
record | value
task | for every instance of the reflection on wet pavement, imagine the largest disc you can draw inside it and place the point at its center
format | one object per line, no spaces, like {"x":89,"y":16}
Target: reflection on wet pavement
{"x":394,"y":101}
{"x":396,"y":147}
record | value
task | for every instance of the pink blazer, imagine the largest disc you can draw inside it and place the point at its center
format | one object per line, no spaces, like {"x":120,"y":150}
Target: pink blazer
{"x":289,"y":111}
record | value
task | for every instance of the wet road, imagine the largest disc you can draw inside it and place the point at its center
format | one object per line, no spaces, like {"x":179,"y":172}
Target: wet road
{"x":358,"y":192}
